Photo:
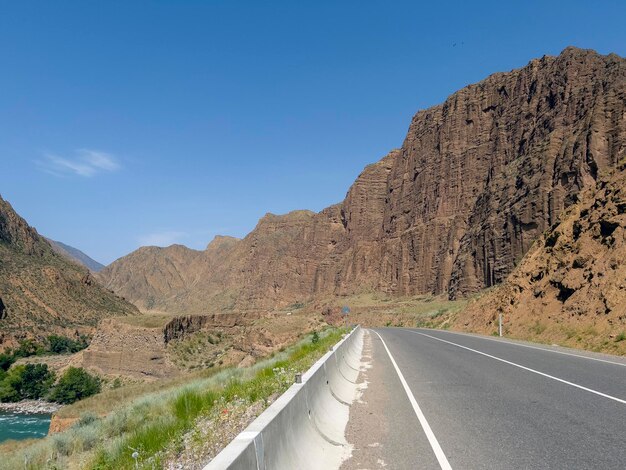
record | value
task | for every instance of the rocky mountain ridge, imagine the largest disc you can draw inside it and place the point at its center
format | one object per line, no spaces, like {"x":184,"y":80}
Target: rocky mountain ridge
{"x":42,"y":292}
{"x":74,"y":254}
{"x":477,"y":180}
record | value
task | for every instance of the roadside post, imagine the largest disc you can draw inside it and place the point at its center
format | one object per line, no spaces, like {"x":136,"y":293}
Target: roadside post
{"x":500,"y":324}
{"x":345,"y":311}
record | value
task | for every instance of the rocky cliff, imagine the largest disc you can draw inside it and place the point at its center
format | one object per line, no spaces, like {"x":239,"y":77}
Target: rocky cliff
{"x":476,"y":181}
{"x":571,"y":285}
{"x":41,"y":292}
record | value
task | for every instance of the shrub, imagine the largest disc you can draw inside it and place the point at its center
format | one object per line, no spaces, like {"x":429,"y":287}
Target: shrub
{"x":87,"y":418}
{"x":29,"y":381}
{"x":7,"y":392}
{"x":6,"y":360}
{"x":315,"y":338}
{"x":27,"y":348}
{"x":61,"y":344}
{"x":75,"y":385}
{"x":62,"y":444}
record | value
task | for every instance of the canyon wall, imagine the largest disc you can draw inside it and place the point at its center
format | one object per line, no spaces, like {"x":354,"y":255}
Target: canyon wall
{"x":477,"y":180}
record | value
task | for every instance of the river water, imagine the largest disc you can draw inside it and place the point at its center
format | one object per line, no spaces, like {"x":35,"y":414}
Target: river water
{"x":23,"y":426}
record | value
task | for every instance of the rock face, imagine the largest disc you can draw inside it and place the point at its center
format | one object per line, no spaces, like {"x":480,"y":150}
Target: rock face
{"x":128,"y":350}
{"x":570,"y":286}
{"x":150,"y":274}
{"x":476,"y":181}
{"x":41,"y":291}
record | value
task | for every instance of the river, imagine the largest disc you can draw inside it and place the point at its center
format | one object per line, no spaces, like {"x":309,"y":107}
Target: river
{"x":23,"y":426}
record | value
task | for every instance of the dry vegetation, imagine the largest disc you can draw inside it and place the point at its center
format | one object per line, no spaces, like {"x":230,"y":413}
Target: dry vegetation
{"x":171,"y":420}
{"x":377,"y":309}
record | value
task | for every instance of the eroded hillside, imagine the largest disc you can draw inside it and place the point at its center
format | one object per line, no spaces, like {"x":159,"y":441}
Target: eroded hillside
{"x":41,"y":292}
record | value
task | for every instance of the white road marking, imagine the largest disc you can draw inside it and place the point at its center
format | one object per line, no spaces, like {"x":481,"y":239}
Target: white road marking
{"x":441,"y":457}
{"x":619,"y":400}
{"x":535,"y":347}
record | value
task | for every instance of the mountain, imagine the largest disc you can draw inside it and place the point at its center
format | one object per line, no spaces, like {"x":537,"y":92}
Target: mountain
{"x":74,"y":254}
{"x":477,"y":180}
{"x":570,"y":287}
{"x":41,"y":292}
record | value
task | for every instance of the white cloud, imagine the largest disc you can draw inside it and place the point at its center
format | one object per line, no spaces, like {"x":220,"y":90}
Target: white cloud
{"x":85,"y":163}
{"x":161,"y":238}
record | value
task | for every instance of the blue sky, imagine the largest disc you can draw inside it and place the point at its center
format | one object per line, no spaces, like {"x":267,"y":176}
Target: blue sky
{"x":125,"y":123}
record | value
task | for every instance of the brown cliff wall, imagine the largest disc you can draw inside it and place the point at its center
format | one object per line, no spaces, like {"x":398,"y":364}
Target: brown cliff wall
{"x":571,"y":285}
{"x":482,"y":175}
{"x":476,"y":181}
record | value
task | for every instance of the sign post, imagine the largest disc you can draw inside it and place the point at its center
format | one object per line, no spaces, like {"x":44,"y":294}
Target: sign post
{"x":345,"y":311}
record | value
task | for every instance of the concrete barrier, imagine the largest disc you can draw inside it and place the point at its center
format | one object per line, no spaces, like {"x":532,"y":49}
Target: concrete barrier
{"x":304,"y":429}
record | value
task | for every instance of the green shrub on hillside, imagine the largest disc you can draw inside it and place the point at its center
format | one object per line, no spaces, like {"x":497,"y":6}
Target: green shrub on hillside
{"x":27,"y":348}
{"x":6,"y":360}
{"x":75,"y":384}
{"x":62,"y":344}
{"x":26,"y":382}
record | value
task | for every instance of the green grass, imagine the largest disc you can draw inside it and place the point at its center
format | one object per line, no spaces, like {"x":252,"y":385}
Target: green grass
{"x":155,"y":424}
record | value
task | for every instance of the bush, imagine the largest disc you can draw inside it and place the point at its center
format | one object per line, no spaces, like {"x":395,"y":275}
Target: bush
{"x":6,"y":360}
{"x":61,"y":344}
{"x":315,"y":338}
{"x":27,"y":348}
{"x":75,"y":385}
{"x":87,"y":418}
{"x":26,"y":382}
{"x":7,"y":392}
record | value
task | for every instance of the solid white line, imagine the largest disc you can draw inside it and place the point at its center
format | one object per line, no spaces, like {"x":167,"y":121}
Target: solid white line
{"x":441,"y":457}
{"x":619,"y":400}
{"x":533,"y":347}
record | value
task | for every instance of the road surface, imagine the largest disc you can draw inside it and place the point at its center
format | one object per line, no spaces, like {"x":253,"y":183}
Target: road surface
{"x":444,"y":400}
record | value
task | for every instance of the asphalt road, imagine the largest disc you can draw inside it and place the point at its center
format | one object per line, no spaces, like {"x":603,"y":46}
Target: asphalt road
{"x":448,"y":400}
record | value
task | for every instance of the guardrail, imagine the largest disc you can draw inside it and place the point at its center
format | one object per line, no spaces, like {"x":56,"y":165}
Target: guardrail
{"x":304,"y":428}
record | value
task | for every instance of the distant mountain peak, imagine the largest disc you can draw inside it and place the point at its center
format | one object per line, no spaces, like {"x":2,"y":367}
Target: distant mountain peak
{"x":76,"y":255}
